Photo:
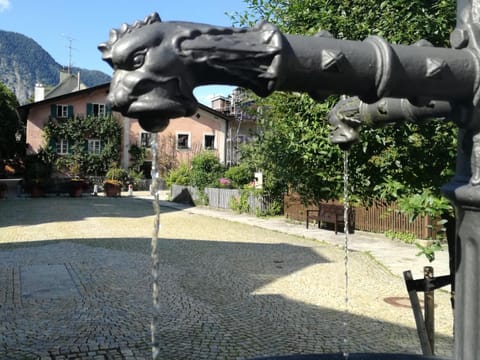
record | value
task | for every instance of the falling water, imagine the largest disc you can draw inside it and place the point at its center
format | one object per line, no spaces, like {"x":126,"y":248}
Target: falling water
{"x":346,"y":219}
{"x":154,"y":254}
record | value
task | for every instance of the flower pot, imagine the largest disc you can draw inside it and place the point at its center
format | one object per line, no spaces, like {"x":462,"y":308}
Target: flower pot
{"x":112,"y":190}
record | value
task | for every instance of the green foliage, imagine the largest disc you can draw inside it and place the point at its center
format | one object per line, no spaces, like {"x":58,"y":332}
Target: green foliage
{"x":240,"y":175}
{"x":395,"y":20}
{"x":429,"y":250}
{"x":206,"y":170}
{"x":180,"y":176}
{"x":407,"y":238}
{"x":135,"y":177}
{"x":240,"y":203}
{"x":137,"y":157}
{"x":116,"y":173}
{"x":424,"y":204}
{"x":9,"y":124}
{"x":77,"y":131}
{"x":293,"y":151}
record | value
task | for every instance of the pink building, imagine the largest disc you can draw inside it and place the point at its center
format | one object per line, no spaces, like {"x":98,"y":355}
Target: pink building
{"x":207,"y":129}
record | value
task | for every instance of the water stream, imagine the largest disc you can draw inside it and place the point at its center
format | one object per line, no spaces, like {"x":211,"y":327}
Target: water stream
{"x":346,"y":205}
{"x":154,"y":326}
{"x":156,"y":257}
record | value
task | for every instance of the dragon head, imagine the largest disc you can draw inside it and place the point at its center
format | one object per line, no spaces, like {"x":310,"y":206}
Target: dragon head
{"x":149,"y":81}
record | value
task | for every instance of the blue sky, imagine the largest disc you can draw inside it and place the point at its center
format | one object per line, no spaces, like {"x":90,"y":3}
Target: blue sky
{"x":55,"y":24}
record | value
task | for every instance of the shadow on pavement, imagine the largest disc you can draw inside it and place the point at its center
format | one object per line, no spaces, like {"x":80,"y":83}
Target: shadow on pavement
{"x":210,"y":304}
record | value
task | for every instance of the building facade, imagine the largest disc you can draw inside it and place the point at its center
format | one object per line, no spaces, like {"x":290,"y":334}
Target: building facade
{"x":207,"y":129}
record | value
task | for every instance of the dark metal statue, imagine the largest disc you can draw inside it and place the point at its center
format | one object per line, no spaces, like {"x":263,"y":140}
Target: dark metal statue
{"x":158,"y":64}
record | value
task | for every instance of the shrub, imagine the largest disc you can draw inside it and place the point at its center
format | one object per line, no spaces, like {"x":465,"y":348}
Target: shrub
{"x":240,"y":175}
{"x":180,"y":176}
{"x":206,"y":170}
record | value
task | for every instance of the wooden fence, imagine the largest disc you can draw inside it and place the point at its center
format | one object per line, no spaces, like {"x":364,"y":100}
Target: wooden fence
{"x":377,"y":218}
{"x":221,"y":198}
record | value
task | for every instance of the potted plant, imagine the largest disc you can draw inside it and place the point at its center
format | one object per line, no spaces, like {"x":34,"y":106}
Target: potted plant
{"x":114,"y":180}
{"x":77,"y":185}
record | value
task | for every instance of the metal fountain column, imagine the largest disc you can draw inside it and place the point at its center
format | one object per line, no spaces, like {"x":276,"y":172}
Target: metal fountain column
{"x":157,"y":64}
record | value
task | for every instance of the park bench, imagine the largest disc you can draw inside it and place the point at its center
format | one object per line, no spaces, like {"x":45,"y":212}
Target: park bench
{"x":331,"y":214}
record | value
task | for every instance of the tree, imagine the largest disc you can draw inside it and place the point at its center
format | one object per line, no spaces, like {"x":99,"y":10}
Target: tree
{"x":9,"y":124}
{"x":293,"y":148}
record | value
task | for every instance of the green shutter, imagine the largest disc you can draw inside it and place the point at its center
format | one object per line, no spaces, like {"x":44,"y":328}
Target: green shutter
{"x":89,"y":109}
{"x":108,"y":110}
{"x":53,"y":111}
{"x":52,"y":143}
{"x":70,"y":111}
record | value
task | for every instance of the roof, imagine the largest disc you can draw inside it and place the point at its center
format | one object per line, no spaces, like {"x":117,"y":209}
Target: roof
{"x":51,"y":99}
{"x":67,"y":85}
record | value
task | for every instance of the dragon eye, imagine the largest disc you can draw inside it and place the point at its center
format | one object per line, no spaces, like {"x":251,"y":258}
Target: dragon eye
{"x":138,"y":59}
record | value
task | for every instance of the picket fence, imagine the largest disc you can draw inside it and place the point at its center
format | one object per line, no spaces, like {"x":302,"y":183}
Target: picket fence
{"x":222,"y":198}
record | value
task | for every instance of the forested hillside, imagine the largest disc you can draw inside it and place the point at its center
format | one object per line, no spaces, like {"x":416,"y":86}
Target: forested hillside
{"x":23,"y":63}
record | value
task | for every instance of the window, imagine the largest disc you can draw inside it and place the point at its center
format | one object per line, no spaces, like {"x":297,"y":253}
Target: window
{"x":62,"y":111}
{"x":183,"y":141}
{"x":94,"y":146}
{"x":209,"y":142}
{"x":145,"y":139}
{"x":62,"y":147}
{"x":99,"y":110}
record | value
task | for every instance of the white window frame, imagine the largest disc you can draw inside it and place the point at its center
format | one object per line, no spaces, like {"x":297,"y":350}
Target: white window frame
{"x":189,"y":140}
{"x":99,"y":109}
{"x":62,"y":147}
{"x":62,"y":111}
{"x":94,"y":146}
{"x":214,"y":147}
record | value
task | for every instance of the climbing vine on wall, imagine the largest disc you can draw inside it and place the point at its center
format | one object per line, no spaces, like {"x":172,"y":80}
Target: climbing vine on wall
{"x":71,"y":138}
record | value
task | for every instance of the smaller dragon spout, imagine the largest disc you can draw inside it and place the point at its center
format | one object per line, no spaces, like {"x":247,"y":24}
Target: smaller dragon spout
{"x":350,"y":113}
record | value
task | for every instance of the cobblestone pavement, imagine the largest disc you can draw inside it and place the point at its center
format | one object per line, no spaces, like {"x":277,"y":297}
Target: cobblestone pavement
{"x":75,"y":283}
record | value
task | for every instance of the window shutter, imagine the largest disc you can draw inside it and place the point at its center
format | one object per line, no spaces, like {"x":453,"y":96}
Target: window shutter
{"x":108,"y":110}
{"x":53,"y":111}
{"x":89,"y":109}
{"x":52,"y":143}
{"x":70,"y":111}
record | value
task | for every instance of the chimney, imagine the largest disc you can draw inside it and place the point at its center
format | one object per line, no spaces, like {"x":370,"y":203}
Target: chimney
{"x":39,"y":93}
{"x":64,"y":74}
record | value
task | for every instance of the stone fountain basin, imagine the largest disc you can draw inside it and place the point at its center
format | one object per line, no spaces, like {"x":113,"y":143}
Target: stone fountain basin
{"x":377,"y":356}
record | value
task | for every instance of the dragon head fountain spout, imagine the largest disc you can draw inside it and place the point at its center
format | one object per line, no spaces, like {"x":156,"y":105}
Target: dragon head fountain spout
{"x":149,"y":82}
{"x":158,"y":64}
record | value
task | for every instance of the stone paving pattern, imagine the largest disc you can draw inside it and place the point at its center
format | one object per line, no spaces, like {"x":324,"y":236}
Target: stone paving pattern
{"x":228,"y":290}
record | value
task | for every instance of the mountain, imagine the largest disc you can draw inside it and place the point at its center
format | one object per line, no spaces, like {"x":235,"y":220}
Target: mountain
{"x":23,"y":63}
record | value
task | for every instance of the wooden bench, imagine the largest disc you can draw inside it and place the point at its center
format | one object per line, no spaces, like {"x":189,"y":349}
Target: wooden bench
{"x":332,"y":214}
